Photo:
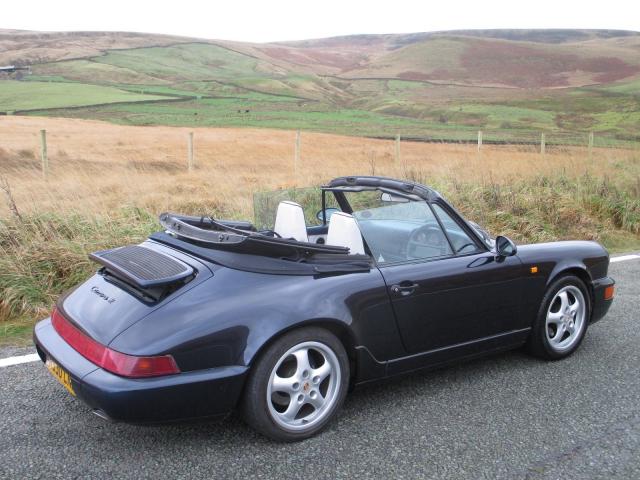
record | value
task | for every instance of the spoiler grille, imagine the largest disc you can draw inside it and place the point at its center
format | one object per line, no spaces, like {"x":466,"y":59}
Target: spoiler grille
{"x":143,"y":266}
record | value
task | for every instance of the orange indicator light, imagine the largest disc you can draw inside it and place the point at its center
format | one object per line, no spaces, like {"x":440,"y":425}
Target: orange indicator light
{"x":608,"y":292}
{"x":534,"y":269}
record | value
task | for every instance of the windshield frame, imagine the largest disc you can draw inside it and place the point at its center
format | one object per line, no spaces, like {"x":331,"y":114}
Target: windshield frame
{"x":412,"y":191}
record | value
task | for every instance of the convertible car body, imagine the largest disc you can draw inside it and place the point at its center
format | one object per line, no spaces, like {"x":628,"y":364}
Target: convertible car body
{"x":207,"y":316}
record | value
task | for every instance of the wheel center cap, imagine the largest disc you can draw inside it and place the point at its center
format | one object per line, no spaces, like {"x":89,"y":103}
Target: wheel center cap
{"x":306,"y":386}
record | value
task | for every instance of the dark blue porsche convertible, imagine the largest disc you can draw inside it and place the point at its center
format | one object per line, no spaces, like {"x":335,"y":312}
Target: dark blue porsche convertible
{"x":280,"y":319}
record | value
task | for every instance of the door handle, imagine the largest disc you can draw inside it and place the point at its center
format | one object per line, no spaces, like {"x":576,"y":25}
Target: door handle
{"x":404,"y":288}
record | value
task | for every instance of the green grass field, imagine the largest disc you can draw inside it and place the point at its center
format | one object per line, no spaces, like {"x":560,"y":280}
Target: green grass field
{"x":16,"y":95}
{"x":500,"y":123}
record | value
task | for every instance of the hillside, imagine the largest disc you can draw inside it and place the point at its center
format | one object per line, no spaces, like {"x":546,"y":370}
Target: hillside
{"x":25,"y":48}
{"x":441,"y":85}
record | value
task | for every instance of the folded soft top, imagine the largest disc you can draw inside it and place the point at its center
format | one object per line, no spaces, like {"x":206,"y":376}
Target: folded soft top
{"x":316,"y":263}
{"x":226,"y":236}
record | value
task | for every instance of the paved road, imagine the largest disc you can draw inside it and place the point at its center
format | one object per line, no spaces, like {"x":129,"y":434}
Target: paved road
{"x":508,"y":416}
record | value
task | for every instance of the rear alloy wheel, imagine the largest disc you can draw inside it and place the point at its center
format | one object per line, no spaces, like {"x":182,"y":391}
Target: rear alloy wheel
{"x":562,"y":319}
{"x":297,"y":385}
{"x":303,"y":386}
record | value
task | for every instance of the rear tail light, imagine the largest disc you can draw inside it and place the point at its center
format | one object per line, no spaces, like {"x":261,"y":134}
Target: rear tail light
{"x":609,"y":292}
{"x":111,"y":360}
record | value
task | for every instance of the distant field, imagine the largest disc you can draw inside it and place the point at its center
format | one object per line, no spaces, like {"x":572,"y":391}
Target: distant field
{"x":30,"y":95}
{"x":377,"y":108}
{"x":513,"y":85}
{"x":517,"y":123}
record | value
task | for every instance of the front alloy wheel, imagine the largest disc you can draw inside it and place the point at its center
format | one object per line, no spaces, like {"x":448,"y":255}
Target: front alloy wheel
{"x":562,"y":319}
{"x":566,"y":318}
{"x":297,"y":385}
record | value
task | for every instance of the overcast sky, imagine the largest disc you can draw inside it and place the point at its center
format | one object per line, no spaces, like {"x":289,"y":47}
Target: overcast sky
{"x":271,"y":20}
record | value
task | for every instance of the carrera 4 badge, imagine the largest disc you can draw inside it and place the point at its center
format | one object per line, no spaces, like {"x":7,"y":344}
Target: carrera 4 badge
{"x":105,"y":297}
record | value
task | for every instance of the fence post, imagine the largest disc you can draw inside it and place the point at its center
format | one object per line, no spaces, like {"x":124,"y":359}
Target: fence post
{"x":190,"y":152}
{"x":43,"y":153}
{"x":479,"y":139}
{"x":542,"y":144}
{"x":372,"y":162}
{"x":296,"y":158}
{"x":397,"y":153}
{"x":590,"y":142}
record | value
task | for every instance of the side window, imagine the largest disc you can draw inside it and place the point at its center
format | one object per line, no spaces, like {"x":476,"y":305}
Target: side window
{"x":461,"y":241}
{"x":397,"y":231}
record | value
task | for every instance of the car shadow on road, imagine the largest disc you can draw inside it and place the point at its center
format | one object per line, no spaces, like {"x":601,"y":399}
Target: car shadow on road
{"x":369,"y":403}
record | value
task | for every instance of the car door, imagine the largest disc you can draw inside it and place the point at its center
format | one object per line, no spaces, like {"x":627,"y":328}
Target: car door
{"x":456,"y":298}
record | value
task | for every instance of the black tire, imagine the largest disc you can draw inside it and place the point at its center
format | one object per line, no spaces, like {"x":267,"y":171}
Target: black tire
{"x":255,"y":408}
{"x":538,"y":343}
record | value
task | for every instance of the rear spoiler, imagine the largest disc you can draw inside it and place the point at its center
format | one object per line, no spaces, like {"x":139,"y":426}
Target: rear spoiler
{"x":142,"y":266}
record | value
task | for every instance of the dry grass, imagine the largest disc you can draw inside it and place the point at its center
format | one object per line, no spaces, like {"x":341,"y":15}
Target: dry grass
{"x":107,"y":183}
{"x":97,"y":167}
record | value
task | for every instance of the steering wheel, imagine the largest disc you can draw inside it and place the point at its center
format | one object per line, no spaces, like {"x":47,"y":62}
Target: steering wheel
{"x":427,"y":237}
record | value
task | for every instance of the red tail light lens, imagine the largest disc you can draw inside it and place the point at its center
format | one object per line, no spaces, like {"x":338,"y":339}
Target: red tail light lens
{"x":111,"y":360}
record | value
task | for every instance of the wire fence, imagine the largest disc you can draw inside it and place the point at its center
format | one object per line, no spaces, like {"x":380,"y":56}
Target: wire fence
{"x":537,"y":141}
{"x":521,"y":137}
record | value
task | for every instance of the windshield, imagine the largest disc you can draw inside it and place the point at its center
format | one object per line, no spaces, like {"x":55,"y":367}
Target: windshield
{"x":394,"y":226}
{"x":398,"y":229}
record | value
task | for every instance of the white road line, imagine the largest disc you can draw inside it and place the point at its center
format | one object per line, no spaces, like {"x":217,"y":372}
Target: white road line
{"x":7,"y":362}
{"x":624,"y":258}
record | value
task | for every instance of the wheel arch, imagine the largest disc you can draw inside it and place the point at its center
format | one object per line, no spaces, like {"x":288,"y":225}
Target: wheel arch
{"x":338,"y":328}
{"x":579,"y":271}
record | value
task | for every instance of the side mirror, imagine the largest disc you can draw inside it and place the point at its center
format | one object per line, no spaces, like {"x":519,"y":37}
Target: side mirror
{"x":505,"y":246}
{"x":328,"y":212}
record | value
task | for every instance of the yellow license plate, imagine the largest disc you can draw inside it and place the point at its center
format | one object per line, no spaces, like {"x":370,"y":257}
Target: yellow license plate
{"x":61,"y":375}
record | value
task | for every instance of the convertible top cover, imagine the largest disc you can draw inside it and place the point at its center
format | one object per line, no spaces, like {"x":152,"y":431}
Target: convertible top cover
{"x":227,"y":236}
{"x":315,"y":264}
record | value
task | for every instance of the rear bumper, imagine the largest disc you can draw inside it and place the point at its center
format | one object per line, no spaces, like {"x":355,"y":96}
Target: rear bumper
{"x":204,"y":393}
{"x":600,"y":304}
